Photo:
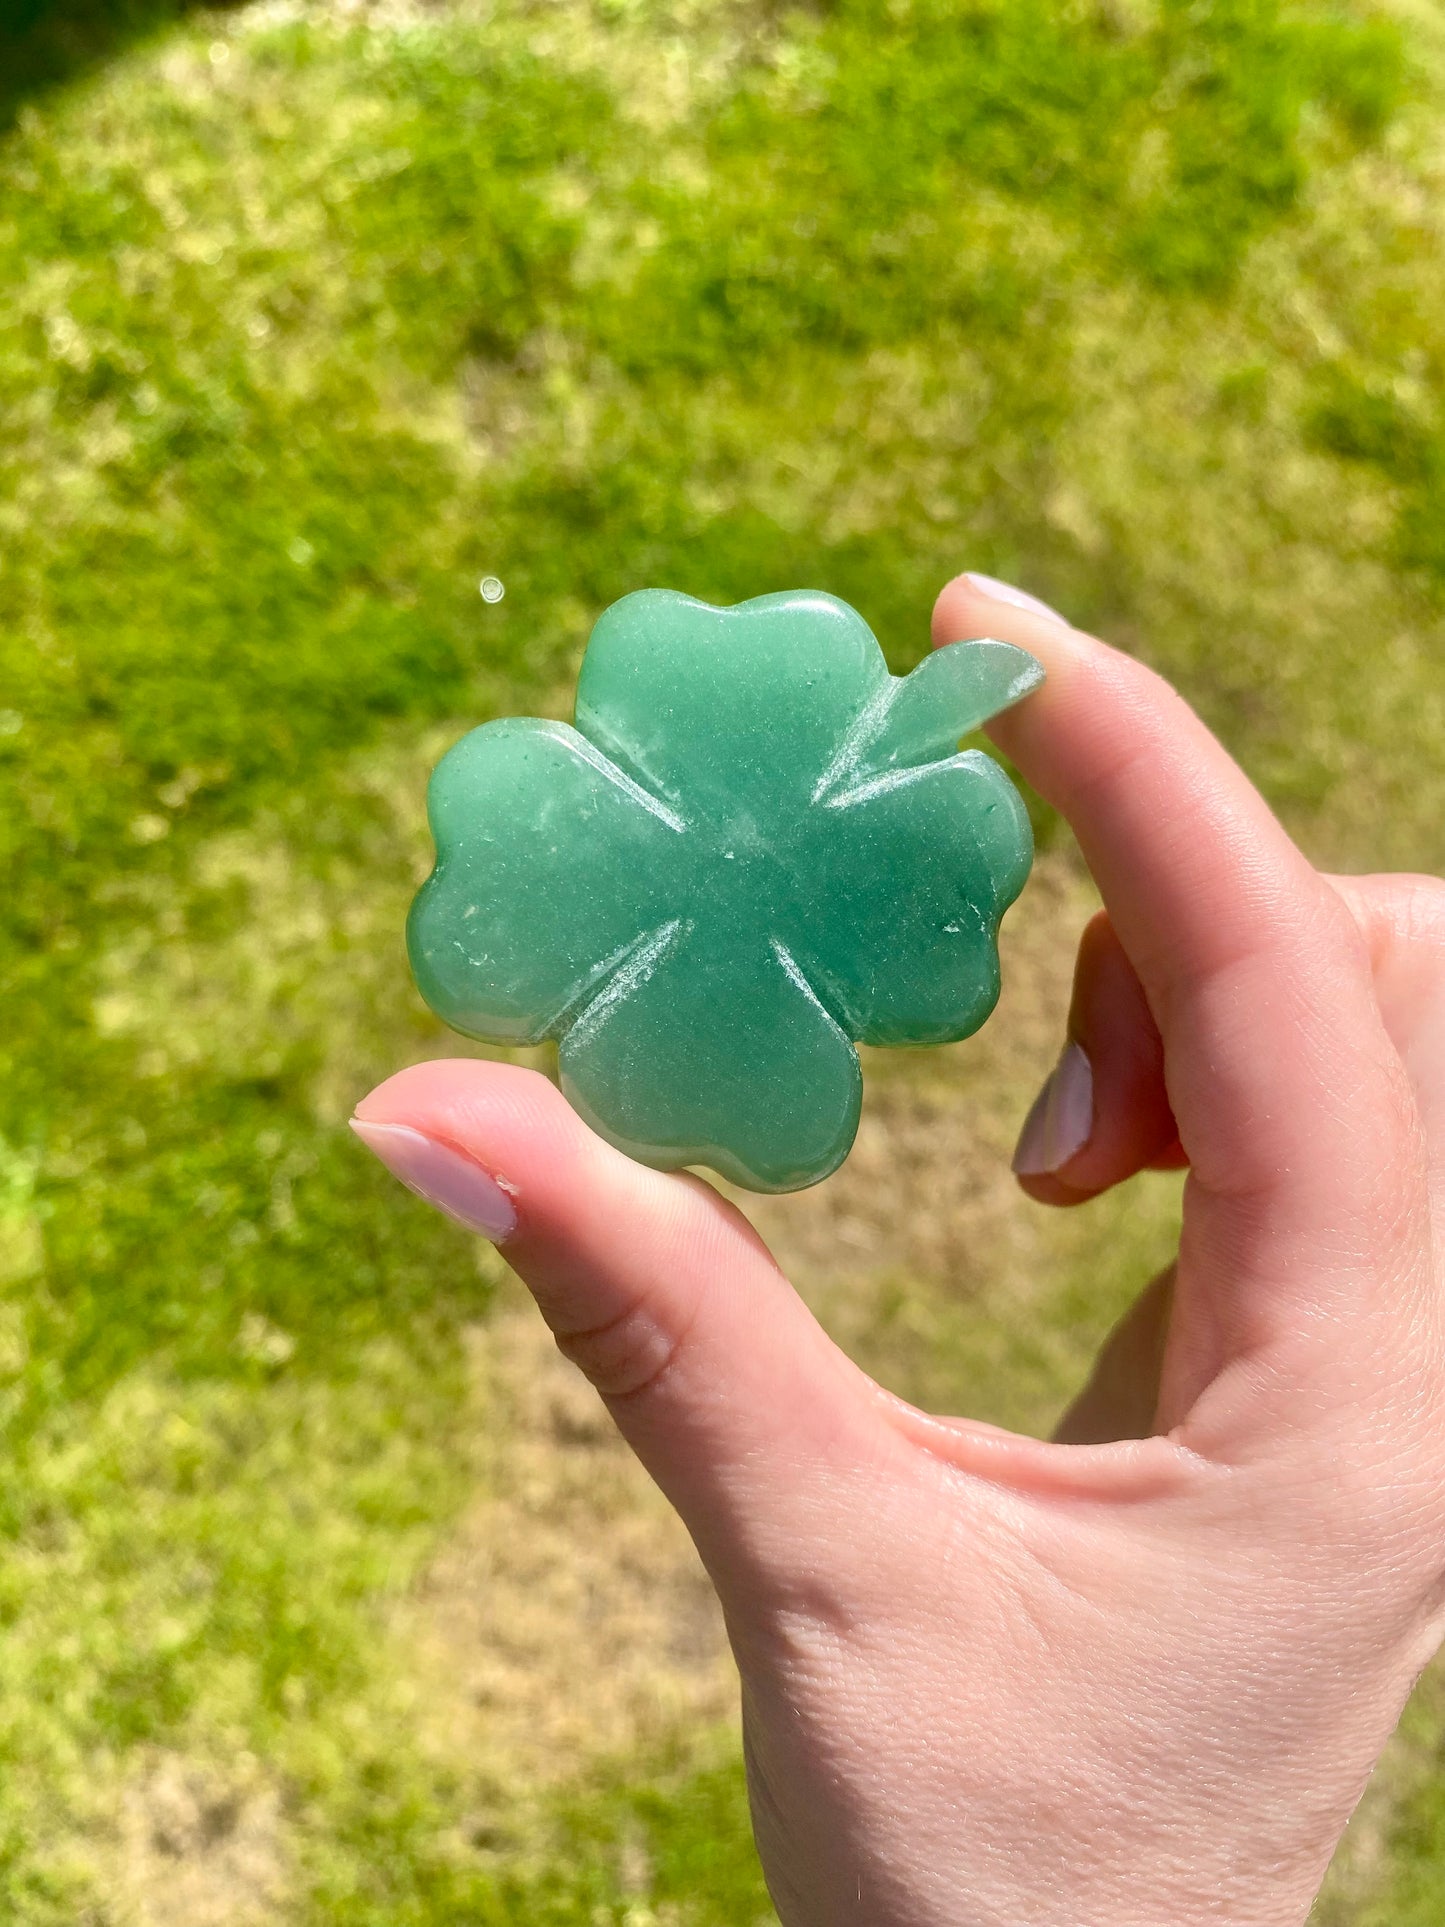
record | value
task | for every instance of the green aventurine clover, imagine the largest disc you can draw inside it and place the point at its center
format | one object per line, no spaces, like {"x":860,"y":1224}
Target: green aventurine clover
{"x":755,"y":847}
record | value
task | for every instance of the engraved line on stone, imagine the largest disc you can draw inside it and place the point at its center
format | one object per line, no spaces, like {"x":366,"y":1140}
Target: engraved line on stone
{"x":793,"y":969}
{"x":623,"y":758}
{"x":588,"y":752}
{"x":897,"y":779}
{"x":593,"y":985}
{"x":645,"y":955}
{"x":866,"y":727}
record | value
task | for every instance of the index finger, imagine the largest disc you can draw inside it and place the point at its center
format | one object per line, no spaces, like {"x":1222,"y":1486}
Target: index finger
{"x":1276,"y":1060}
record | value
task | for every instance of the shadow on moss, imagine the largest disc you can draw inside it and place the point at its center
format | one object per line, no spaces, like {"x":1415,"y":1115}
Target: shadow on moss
{"x":1366,"y":422}
{"x":46,"y":42}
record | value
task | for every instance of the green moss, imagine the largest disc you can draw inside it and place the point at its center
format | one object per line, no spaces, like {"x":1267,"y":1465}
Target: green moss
{"x":1402,"y":438}
{"x":621,"y":1851}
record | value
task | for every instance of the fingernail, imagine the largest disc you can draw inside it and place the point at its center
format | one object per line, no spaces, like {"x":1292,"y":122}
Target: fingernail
{"x":990,"y":585}
{"x":1061,"y":1120}
{"x":443,"y":1177}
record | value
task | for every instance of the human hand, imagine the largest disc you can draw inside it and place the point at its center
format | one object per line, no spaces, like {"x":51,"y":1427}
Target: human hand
{"x":1138,"y":1679}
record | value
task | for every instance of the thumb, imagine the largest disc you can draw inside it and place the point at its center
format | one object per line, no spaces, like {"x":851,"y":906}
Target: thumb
{"x":723,"y":1382}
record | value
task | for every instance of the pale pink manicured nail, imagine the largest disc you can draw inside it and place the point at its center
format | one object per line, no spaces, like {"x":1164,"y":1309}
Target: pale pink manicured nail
{"x":990,"y":585}
{"x":443,"y":1177}
{"x":1061,"y":1120}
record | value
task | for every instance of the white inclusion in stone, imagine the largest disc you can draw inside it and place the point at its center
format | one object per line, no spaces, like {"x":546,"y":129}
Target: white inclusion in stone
{"x":493,"y":588}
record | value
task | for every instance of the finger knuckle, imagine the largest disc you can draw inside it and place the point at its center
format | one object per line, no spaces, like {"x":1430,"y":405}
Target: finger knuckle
{"x":627,"y":1356}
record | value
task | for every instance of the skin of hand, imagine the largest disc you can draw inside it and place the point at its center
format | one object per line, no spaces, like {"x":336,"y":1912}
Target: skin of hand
{"x":1136,"y":1676}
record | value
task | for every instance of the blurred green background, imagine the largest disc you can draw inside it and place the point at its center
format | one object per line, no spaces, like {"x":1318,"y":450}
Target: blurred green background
{"x":324,"y":1597}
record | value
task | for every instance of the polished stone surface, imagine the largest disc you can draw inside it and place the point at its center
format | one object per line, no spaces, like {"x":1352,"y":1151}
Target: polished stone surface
{"x":755,"y":847}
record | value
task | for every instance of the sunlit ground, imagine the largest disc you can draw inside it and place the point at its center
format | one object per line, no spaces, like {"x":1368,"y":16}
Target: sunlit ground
{"x":326,"y":1596}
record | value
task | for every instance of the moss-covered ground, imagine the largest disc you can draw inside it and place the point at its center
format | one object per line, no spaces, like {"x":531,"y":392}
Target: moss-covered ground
{"x":322,"y":1598}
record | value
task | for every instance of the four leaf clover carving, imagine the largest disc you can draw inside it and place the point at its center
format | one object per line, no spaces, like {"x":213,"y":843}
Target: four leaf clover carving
{"x":755,"y":848}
